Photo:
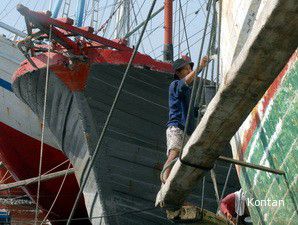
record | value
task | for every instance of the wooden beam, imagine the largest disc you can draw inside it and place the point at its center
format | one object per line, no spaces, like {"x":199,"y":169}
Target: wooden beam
{"x":35,"y":179}
{"x":268,"y":49}
{"x":251,"y":165}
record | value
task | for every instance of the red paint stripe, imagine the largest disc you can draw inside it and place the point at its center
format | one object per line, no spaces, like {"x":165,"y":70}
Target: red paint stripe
{"x":75,"y":75}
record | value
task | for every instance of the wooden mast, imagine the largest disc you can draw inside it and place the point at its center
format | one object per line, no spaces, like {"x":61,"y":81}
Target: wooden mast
{"x":168,"y":39}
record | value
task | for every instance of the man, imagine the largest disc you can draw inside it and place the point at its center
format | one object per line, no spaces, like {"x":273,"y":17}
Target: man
{"x":233,"y":205}
{"x":179,"y":97}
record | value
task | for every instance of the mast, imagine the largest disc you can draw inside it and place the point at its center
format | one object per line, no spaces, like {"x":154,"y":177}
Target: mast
{"x":122,"y":18}
{"x":57,"y":9}
{"x":80,"y":12}
{"x":168,"y":39}
{"x":94,"y":14}
{"x":12,"y":30}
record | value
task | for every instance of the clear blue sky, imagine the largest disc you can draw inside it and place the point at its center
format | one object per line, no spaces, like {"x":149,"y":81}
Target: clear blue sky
{"x":153,"y":38}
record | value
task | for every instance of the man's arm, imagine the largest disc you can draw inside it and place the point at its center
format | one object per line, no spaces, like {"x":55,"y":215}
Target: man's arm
{"x":189,"y":78}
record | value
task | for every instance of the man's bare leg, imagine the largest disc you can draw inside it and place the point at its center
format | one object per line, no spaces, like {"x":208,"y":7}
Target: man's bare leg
{"x":174,"y":153}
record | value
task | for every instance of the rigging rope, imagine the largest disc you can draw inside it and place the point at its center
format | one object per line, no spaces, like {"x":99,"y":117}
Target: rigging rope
{"x":43,"y":124}
{"x":184,"y":41}
{"x":175,"y":34}
{"x":174,"y":22}
{"x":202,"y":7}
{"x":194,"y":43}
{"x":86,"y":14}
{"x":179,"y":24}
{"x":4,"y":177}
{"x":133,"y":9}
{"x":218,"y":50}
{"x":57,"y":195}
{"x":194,"y":89}
{"x":120,"y":21}
{"x":113,"y":11}
{"x":202,"y":197}
{"x":9,"y":11}
{"x":183,"y":20}
{"x":148,"y":36}
{"x":225,"y":186}
{"x":106,"y":23}
{"x":7,"y":4}
{"x":103,"y":13}
{"x":213,"y":49}
{"x":88,"y":165}
{"x":140,"y":7}
{"x":214,"y":181}
{"x":43,"y":119}
{"x":200,"y":95}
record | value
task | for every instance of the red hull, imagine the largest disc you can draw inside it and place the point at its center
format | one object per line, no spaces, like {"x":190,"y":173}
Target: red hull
{"x":12,"y":200}
{"x":20,"y":154}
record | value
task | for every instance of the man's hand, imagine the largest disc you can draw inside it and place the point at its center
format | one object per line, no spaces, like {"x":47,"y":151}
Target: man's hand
{"x":231,"y":218}
{"x":204,"y":61}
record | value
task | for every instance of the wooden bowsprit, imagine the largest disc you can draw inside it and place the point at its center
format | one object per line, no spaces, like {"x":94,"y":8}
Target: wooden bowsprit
{"x":61,"y":27}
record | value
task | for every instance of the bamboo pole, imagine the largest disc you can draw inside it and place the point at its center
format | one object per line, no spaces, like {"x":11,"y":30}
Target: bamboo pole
{"x":35,"y":179}
{"x":251,"y":165}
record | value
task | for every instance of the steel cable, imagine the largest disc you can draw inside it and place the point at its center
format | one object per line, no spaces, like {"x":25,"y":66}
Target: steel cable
{"x":192,"y":97}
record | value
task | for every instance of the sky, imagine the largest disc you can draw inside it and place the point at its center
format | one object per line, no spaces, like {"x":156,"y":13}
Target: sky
{"x":194,"y":12}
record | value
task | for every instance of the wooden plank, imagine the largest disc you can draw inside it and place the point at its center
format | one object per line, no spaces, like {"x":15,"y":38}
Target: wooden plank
{"x":35,"y":179}
{"x":272,"y":42}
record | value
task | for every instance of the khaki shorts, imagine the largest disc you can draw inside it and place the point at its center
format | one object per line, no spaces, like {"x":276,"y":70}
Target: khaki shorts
{"x":175,"y":138}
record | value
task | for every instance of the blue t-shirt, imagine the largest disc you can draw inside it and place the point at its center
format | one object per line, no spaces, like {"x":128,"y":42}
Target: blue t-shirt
{"x":179,"y":97}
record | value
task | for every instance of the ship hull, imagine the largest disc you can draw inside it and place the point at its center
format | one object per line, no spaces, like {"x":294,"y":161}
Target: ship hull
{"x":124,"y":179}
{"x":268,"y":137}
{"x":132,"y":152}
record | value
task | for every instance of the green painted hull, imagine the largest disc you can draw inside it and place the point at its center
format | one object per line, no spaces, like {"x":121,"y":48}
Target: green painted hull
{"x":269,"y":137}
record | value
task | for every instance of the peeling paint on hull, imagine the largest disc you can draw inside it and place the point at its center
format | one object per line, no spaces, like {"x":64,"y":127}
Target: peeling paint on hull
{"x":269,"y":137}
